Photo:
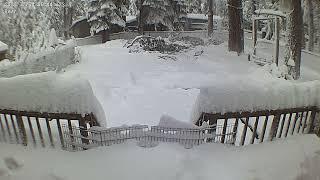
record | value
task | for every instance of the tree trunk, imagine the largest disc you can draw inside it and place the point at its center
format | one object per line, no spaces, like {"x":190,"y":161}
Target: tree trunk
{"x":295,"y":30}
{"x":236,"y":41}
{"x":310,"y":25}
{"x":140,"y":17}
{"x":65,"y":19}
{"x":317,"y":24}
{"x":210,"y":17}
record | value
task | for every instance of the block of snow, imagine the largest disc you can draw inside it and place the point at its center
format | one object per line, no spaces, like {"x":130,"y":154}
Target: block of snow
{"x":3,"y":46}
{"x":50,"y":92}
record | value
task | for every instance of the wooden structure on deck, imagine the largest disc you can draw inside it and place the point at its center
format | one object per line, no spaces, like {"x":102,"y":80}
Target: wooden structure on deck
{"x":263,"y":15}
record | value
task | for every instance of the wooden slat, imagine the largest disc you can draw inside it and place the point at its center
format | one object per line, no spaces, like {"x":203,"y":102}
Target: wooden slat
{"x":263,"y":132}
{"x":8,"y":127}
{"x":274,"y":127}
{"x":23,"y":133}
{"x":294,"y":123}
{"x":244,"y":132}
{"x":305,"y":122}
{"x":312,"y":121}
{"x":14,"y":129}
{"x":288,"y":127}
{"x":40,"y":132}
{"x":282,"y":125}
{"x":49,"y":132}
{"x":3,"y":130}
{"x":224,"y":130}
{"x":254,"y":132}
{"x":60,"y":134}
{"x":235,"y":130}
{"x":71,"y":132}
{"x":300,"y":122}
{"x":32,"y":132}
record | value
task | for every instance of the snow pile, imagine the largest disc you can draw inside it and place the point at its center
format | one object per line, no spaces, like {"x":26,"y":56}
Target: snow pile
{"x":50,"y":92}
{"x":48,"y":60}
{"x":3,"y":47}
{"x":252,"y":95}
{"x":170,"y":122}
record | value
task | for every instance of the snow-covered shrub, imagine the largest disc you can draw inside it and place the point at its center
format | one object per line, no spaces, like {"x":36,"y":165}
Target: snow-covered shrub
{"x":159,"y":44}
{"x":51,"y":59}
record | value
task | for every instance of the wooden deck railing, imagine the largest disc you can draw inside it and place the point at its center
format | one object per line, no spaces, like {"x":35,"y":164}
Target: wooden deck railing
{"x":37,"y":128}
{"x":258,"y":126}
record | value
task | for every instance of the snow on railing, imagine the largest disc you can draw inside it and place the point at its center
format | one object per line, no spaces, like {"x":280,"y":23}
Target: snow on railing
{"x":79,"y":138}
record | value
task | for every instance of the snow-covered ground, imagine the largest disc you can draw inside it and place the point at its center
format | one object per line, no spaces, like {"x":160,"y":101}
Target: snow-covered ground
{"x":295,"y":158}
{"x":138,"y":88}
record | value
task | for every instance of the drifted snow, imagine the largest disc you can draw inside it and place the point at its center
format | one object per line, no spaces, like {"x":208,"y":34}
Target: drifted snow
{"x":50,"y":92}
{"x":290,"y":159}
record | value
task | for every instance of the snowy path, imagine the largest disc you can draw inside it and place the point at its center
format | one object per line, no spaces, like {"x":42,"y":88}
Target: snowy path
{"x":282,"y":159}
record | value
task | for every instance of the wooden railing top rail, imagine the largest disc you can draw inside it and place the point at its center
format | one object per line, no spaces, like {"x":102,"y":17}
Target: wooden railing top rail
{"x":230,"y":115}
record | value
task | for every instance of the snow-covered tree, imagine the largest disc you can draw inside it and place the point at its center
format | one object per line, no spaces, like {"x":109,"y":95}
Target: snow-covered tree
{"x":165,"y":12}
{"x":104,"y":13}
{"x":26,"y":27}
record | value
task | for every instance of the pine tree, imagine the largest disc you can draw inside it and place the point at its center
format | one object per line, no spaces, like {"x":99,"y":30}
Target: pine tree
{"x":104,"y":13}
{"x":26,"y":29}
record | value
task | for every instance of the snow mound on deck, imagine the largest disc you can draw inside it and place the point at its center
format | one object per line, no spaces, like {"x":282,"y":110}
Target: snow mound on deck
{"x":50,"y":92}
{"x":170,"y":122}
{"x":252,"y":95}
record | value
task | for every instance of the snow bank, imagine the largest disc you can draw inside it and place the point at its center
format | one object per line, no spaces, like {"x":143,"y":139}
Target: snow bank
{"x":252,"y":95}
{"x":50,"y":92}
{"x":48,"y":60}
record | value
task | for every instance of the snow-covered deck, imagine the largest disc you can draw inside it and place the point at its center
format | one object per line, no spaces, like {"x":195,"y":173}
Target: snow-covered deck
{"x":138,"y":88}
{"x":295,"y":158}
